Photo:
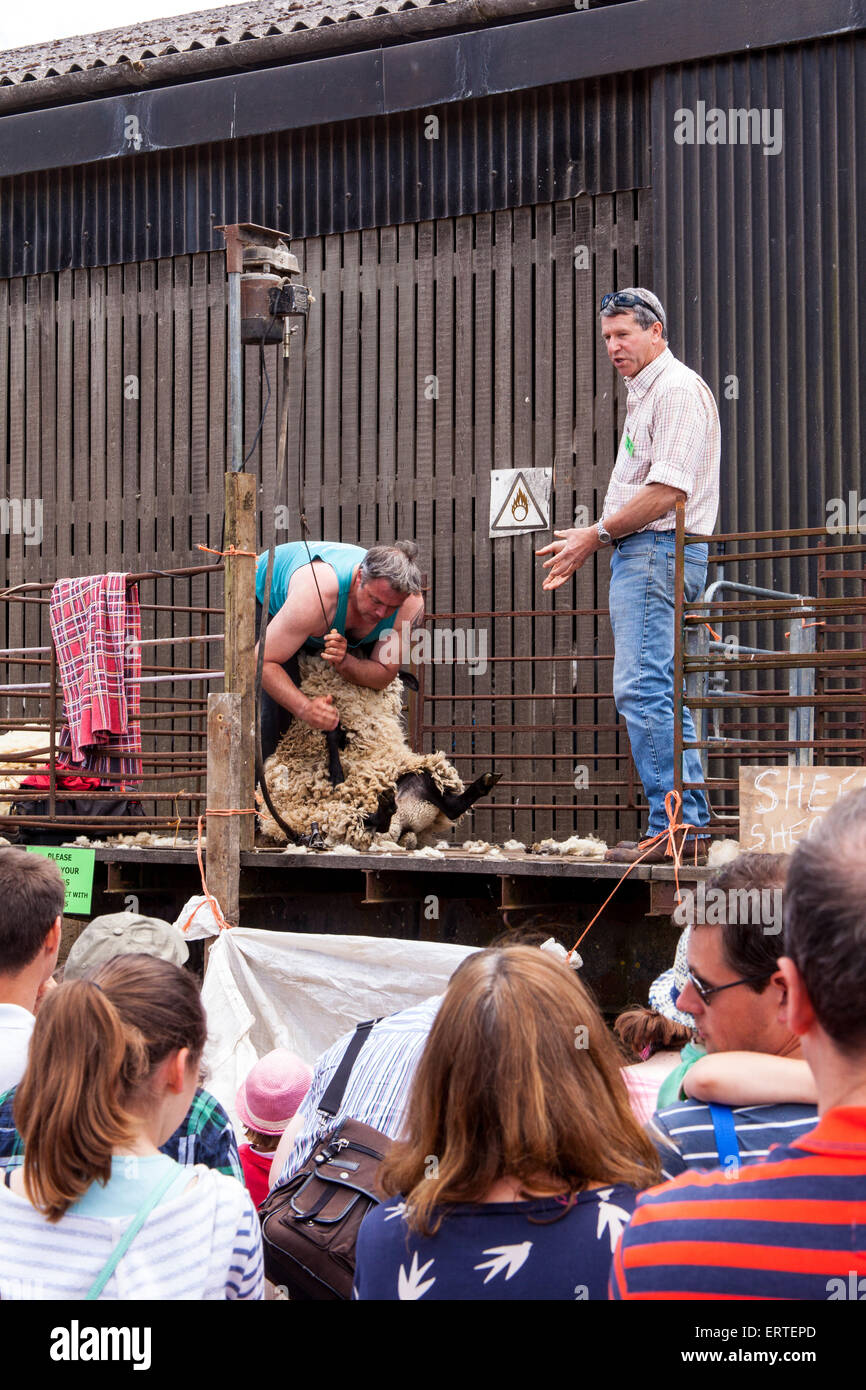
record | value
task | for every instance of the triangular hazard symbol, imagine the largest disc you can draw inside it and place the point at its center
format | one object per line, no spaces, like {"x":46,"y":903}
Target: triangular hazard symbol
{"x":520,"y":509}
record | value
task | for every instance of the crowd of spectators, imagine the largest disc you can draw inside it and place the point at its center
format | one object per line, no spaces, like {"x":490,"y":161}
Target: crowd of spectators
{"x":711,"y":1145}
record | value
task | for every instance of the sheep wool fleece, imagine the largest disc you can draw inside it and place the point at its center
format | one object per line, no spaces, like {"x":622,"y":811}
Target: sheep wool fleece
{"x":376,"y":754}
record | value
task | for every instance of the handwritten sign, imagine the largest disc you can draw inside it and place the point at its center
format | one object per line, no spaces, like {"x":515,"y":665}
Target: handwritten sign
{"x":76,"y":866}
{"x":779,"y":805}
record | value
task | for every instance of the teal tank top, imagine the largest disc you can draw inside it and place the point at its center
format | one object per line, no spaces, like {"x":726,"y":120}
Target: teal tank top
{"x":343,"y":559}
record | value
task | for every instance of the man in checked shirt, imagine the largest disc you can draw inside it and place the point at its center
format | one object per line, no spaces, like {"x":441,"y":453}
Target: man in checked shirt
{"x":669,"y":451}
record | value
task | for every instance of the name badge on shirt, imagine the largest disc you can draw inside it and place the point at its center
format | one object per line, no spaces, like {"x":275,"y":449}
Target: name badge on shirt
{"x":629,"y":445}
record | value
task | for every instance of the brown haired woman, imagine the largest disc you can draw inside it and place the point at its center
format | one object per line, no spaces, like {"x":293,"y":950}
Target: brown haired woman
{"x":523,"y":1158}
{"x":96,"y":1208}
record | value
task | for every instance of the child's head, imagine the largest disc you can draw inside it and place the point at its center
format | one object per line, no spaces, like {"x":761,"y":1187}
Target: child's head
{"x":270,"y":1096}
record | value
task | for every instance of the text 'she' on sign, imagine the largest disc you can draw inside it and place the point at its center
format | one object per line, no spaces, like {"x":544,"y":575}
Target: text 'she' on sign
{"x":780,"y":805}
{"x":76,"y":866}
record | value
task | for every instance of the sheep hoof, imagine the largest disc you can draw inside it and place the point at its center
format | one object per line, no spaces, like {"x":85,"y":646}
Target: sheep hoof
{"x":409,"y":840}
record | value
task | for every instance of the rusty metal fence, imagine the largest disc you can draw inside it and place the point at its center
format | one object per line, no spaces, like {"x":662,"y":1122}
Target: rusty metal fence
{"x":775,"y":671}
{"x":542,"y":713}
{"x":172,"y":785}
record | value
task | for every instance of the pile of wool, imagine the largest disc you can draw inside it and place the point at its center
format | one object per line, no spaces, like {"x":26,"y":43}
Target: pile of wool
{"x":721,"y":852}
{"x":376,"y":754}
{"x":15,"y":744}
{"x":588,"y":847}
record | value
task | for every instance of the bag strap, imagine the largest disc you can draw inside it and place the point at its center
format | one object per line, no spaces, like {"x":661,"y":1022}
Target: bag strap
{"x":727,"y":1143}
{"x":129,"y":1235}
{"x":332,"y":1099}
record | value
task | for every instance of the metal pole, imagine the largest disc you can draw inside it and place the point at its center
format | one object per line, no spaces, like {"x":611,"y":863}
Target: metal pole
{"x":236,"y":396}
{"x":52,"y":734}
{"x":679,"y":587}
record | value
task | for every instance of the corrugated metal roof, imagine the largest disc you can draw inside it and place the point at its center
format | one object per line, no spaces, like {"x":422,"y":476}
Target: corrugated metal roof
{"x":205,"y":29}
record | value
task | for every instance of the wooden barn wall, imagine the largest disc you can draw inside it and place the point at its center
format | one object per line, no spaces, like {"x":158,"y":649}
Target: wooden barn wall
{"x":112,"y":412}
{"x":758,"y":258}
{"x":113,"y":401}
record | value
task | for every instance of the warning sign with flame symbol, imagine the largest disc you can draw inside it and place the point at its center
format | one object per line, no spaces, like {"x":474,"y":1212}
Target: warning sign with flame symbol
{"x":519,"y":500}
{"x":519,"y":505}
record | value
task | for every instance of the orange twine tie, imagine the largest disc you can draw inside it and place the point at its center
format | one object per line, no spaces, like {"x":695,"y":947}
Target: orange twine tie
{"x":211,"y":900}
{"x":231,"y":551}
{"x":673,"y":802}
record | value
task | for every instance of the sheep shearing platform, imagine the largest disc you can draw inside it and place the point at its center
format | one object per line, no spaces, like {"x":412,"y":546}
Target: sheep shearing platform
{"x":457,"y":897}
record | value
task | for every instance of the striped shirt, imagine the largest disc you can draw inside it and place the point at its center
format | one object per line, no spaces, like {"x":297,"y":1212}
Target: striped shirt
{"x":379,"y":1082}
{"x":671,"y":436}
{"x":792,"y":1226}
{"x":685,"y":1138}
{"x":204,"y":1244}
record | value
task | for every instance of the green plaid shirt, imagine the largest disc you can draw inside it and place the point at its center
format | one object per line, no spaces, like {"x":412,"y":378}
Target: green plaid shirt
{"x":205,"y":1136}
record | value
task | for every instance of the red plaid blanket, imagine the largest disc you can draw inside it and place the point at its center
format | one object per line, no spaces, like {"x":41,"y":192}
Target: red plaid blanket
{"x":96,"y":626}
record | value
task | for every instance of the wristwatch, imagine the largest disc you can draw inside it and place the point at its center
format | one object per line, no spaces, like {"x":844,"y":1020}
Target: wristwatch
{"x":604,"y":536}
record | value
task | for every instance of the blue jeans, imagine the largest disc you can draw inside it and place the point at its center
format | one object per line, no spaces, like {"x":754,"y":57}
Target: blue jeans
{"x":642,"y":617}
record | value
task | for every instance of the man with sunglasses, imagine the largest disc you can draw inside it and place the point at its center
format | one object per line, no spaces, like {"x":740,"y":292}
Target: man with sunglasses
{"x":734,"y":993}
{"x":791,"y":1226}
{"x":669,"y":451}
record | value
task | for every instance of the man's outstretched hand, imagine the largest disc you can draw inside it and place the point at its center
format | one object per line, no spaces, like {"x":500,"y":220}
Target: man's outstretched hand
{"x":568,"y":554}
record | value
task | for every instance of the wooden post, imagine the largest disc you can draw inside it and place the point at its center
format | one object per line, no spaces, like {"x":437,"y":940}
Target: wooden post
{"x":240,"y":625}
{"x":225,"y":780}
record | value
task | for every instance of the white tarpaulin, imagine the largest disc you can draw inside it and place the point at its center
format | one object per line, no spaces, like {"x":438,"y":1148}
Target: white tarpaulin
{"x":267,"y":989}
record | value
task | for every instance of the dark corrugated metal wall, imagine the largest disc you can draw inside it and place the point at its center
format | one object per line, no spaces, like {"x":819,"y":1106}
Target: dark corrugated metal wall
{"x":530,"y":147}
{"x":756,"y":259}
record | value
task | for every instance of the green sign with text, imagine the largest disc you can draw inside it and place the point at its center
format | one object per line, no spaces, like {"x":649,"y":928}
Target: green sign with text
{"x":76,"y":866}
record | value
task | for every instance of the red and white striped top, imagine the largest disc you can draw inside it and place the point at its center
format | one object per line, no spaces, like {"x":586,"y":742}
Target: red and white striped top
{"x":671,"y":436}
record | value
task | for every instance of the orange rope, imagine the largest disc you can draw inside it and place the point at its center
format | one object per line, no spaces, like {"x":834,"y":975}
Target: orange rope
{"x":673,"y":802}
{"x":818,"y":623}
{"x":712,"y":632}
{"x":211,"y":900}
{"x":231,"y":551}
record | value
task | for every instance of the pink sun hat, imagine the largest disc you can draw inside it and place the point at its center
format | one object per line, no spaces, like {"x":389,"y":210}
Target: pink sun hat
{"x":272,"y":1092}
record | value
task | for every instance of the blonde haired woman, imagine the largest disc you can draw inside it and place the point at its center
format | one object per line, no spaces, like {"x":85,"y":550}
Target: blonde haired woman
{"x":522,"y":1159}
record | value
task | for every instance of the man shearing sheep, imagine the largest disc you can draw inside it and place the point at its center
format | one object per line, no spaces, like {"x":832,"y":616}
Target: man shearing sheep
{"x":342,"y":602}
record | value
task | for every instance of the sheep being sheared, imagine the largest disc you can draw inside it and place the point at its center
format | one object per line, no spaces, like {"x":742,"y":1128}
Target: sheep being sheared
{"x":410,"y":797}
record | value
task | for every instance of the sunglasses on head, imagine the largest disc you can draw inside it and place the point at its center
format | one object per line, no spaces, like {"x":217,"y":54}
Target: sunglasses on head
{"x":623,"y":300}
